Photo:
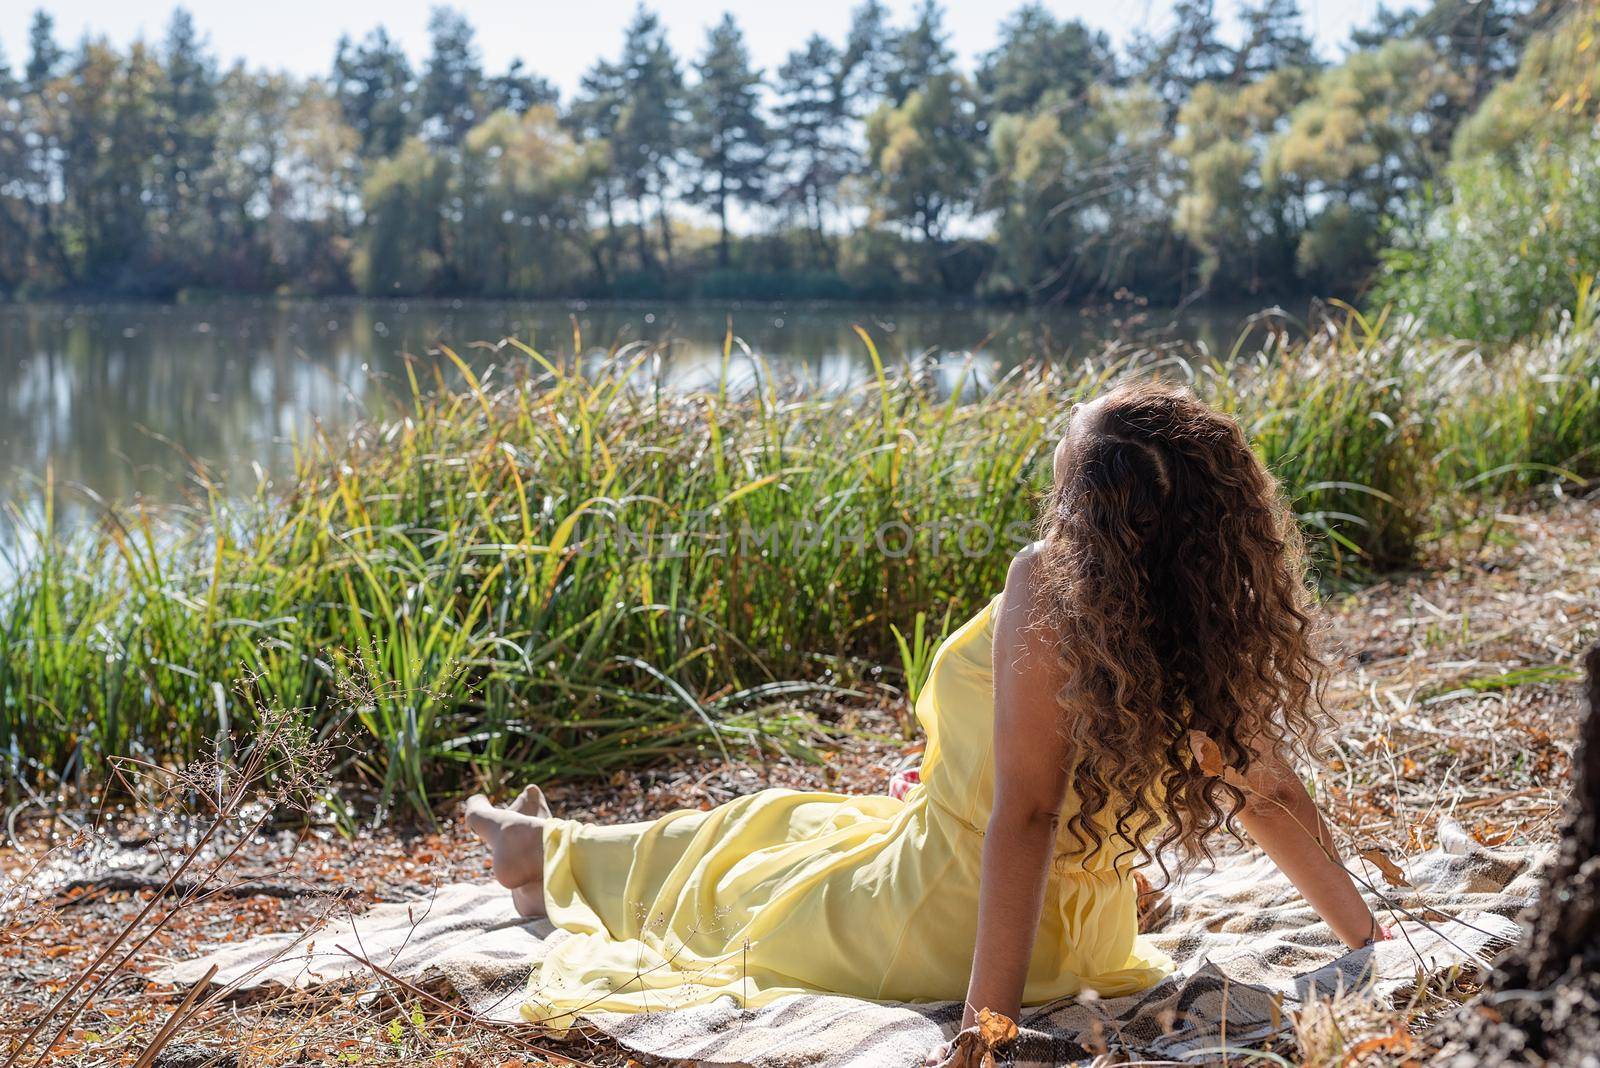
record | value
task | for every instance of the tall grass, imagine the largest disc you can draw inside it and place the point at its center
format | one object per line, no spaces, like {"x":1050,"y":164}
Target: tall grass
{"x":549,"y":571}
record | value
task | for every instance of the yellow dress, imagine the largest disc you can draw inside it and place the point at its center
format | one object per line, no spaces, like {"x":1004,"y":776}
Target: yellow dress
{"x":784,"y":892}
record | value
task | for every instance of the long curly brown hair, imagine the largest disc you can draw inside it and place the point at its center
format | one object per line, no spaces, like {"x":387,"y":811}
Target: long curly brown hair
{"x":1175,"y":578}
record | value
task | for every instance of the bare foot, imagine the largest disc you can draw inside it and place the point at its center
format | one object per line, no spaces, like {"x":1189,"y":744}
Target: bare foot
{"x":515,"y":837}
{"x":531,"y":802}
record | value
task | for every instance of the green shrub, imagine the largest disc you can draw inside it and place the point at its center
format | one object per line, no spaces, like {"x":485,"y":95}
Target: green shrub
{"x":1508,"y":253}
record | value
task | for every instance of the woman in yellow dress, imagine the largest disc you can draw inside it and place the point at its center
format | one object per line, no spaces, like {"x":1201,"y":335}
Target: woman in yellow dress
{"x":1074,"y":727}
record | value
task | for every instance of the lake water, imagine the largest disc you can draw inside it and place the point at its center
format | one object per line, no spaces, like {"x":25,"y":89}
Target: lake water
{"x":123,"y":399}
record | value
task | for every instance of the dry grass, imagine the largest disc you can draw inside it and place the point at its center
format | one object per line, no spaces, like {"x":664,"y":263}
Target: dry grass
{"x":1451,"y":699}
{"x":1457,"y":694}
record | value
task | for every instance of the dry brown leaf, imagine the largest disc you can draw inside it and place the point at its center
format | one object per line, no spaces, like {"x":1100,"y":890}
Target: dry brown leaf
{"x":1208,"y":755}
{"x":1398,"y":1041}
{"x":995,"y":1028}
{"x":1392,"y":873}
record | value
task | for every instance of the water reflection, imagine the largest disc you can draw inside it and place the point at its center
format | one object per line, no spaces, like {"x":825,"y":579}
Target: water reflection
{"x":131,"y":400}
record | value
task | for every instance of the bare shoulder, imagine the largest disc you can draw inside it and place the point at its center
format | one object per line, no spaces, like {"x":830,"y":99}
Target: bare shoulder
{"x":1022,"y":619}
{"x":1027,"y":672}
{"x":1024,"y":568}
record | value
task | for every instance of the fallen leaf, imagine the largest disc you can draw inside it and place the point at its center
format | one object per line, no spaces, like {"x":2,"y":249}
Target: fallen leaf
{"x":1398,"y":1041}
{"x":995,"y":1029}
{"x":1392,"y":873}
{"x":1206,"y":753}
{"x":1209,"y":756}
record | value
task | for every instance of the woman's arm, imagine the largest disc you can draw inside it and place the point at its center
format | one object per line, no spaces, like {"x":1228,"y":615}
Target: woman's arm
{"x":1029,"y":781}
{"x":1284,"y":821}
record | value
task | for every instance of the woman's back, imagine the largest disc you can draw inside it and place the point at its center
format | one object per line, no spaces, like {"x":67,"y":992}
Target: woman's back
{"x":956,"y":710}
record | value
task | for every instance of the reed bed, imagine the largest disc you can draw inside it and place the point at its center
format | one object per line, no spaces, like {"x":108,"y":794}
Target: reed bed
{"x":557,"y":566}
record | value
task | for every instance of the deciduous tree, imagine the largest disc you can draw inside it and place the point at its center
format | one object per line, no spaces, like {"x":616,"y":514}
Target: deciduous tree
{"x":1080,"y":196}
{"x":1244,"y":223}
{"x":924,"y":160}
{"x":1363,"y":141}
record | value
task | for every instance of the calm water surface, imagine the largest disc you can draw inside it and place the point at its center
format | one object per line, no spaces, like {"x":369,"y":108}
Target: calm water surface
{"x":124,"y":399}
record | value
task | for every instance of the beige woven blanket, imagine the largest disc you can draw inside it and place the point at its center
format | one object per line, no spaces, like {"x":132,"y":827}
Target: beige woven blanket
{"x":1248,"y":952}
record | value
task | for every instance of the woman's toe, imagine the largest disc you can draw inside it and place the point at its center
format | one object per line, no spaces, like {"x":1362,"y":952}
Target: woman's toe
{"x":480,"y":816}
{"x":531,"y":802}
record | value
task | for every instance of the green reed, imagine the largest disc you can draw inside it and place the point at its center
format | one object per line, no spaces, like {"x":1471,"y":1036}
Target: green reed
{"x":544,"y":572}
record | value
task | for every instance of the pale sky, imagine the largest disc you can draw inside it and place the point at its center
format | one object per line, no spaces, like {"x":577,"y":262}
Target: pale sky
{"x":561,"y":38}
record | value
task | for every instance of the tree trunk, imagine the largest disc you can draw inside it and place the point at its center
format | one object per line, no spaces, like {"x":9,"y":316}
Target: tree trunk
{"x":646,"y":260}
{"x":818,"y":235}
{"x":611,"y":245}
{"x":722,"y":223}
{"x":666,"y":223}
{"x":1542,"y":1003}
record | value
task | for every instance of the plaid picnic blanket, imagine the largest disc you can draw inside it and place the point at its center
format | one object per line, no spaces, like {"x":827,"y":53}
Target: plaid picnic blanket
{"x":1249,"y":951}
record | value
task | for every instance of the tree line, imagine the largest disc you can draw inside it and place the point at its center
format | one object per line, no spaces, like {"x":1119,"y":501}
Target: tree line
{"x":1191,"y":163}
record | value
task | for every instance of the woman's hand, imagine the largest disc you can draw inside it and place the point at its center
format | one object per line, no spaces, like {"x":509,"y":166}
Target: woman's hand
{"x":1284,"y":821}
{"x":966,"y":1050}
{"x":974,"y":1044}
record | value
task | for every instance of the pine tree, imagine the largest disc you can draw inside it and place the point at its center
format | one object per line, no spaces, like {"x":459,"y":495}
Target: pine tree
{"x":813,"y":145}
{"x":186,"y":104}
{"x":1274,"y":39}
{"x":372,"y":82}
{"x":15,"y":267}
{"x":726,"y":133}
{"x":452,"y":81}
{"x":518,"y":90}
{"x":1188,"y":54}
{"x":45,"y":57}
{"x":868,"y":60}
{"x":1040,"y":57}
{"x":1483,"y":39}
{"x":648,"y":138}
{"x":593,"y":119}
{"x":921,"y":54}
